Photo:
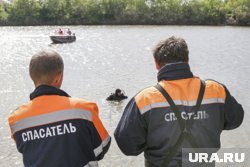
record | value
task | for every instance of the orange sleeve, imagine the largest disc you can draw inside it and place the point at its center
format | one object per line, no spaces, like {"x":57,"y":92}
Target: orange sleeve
{"x":98,"y":123}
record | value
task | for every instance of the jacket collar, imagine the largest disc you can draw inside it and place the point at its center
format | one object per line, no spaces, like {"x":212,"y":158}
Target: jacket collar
{"x":174,"y":71}
{"x":47,"y":90}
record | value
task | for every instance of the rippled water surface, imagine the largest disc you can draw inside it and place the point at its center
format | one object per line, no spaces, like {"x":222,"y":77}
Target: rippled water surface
{"x":106,"y":57}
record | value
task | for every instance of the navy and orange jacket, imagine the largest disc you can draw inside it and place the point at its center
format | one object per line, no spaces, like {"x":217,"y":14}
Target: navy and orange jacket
{"x":148,"y":125}
{"x":55,"y":130}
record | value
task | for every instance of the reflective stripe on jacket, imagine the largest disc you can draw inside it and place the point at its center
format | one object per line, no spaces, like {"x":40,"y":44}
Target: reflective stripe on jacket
{"x":148,"y":125}
{"x":55,"y":130}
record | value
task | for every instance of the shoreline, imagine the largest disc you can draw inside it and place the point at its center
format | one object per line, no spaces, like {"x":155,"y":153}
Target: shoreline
{"x":209,"y":25}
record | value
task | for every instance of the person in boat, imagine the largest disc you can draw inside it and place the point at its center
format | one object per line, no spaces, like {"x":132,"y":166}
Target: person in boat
{"x":69,"y":32}
{"x":181,"y":111}
{"x":117,"y":96}
{"x":60,"y":31}
{"x":54,"y":129}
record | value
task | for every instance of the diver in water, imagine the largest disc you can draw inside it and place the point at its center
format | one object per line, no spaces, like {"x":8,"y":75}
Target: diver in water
{"x":117,"y":96}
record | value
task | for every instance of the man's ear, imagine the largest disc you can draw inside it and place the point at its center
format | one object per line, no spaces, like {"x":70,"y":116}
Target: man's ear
{"x":58,"y":80}
{"x":157,"y":65}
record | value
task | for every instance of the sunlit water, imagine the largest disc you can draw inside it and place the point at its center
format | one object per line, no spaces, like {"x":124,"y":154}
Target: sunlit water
{"x":107,"y":57}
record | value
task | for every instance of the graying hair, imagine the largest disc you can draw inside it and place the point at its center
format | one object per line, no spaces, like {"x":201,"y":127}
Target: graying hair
{"x":171,"y":50}
{"x":45,"y":65}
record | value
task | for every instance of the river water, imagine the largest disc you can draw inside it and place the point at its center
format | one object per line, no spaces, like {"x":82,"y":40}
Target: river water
{"x":108,"y":57}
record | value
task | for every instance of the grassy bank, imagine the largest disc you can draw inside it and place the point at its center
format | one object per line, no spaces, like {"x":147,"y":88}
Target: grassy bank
{"x":126,"y":12}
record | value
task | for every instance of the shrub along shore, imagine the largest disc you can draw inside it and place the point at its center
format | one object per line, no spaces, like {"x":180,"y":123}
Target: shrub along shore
{"x":125,"y":12}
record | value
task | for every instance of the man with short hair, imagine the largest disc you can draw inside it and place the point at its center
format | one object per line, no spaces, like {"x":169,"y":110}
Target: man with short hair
{"x":54,"y":129}
{"x":181,"y":111}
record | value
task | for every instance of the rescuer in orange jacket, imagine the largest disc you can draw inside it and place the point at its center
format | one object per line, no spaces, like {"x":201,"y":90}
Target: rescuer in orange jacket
{"x":181,"y":111}
{"x":53,"y":129}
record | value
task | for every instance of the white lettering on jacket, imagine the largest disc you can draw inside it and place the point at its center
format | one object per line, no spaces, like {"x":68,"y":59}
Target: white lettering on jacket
{"x":169,"y":117}
{"x":48,"y":132}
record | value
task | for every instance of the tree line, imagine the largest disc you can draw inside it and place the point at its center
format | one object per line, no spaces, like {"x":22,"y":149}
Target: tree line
{"x":120,"y":12}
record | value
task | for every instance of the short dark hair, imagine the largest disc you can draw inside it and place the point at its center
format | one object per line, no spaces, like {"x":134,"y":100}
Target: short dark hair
{"x":45,"y":65}
{"x":171,"y":50}
{"x":118,"y":91}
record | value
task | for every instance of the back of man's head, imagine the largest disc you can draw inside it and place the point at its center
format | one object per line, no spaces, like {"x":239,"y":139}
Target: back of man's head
{"x":45,"y":66}
{"x":171,"y":50}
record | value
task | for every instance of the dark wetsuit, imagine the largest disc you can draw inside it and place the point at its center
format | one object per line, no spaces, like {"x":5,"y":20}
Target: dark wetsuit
{"x":114,"y":97}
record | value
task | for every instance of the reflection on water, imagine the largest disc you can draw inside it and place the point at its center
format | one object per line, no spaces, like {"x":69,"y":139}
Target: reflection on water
{"x":107,"y":57}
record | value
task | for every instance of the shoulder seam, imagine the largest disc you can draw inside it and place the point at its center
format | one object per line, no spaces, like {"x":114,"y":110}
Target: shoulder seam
{"x":143,"y":90}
